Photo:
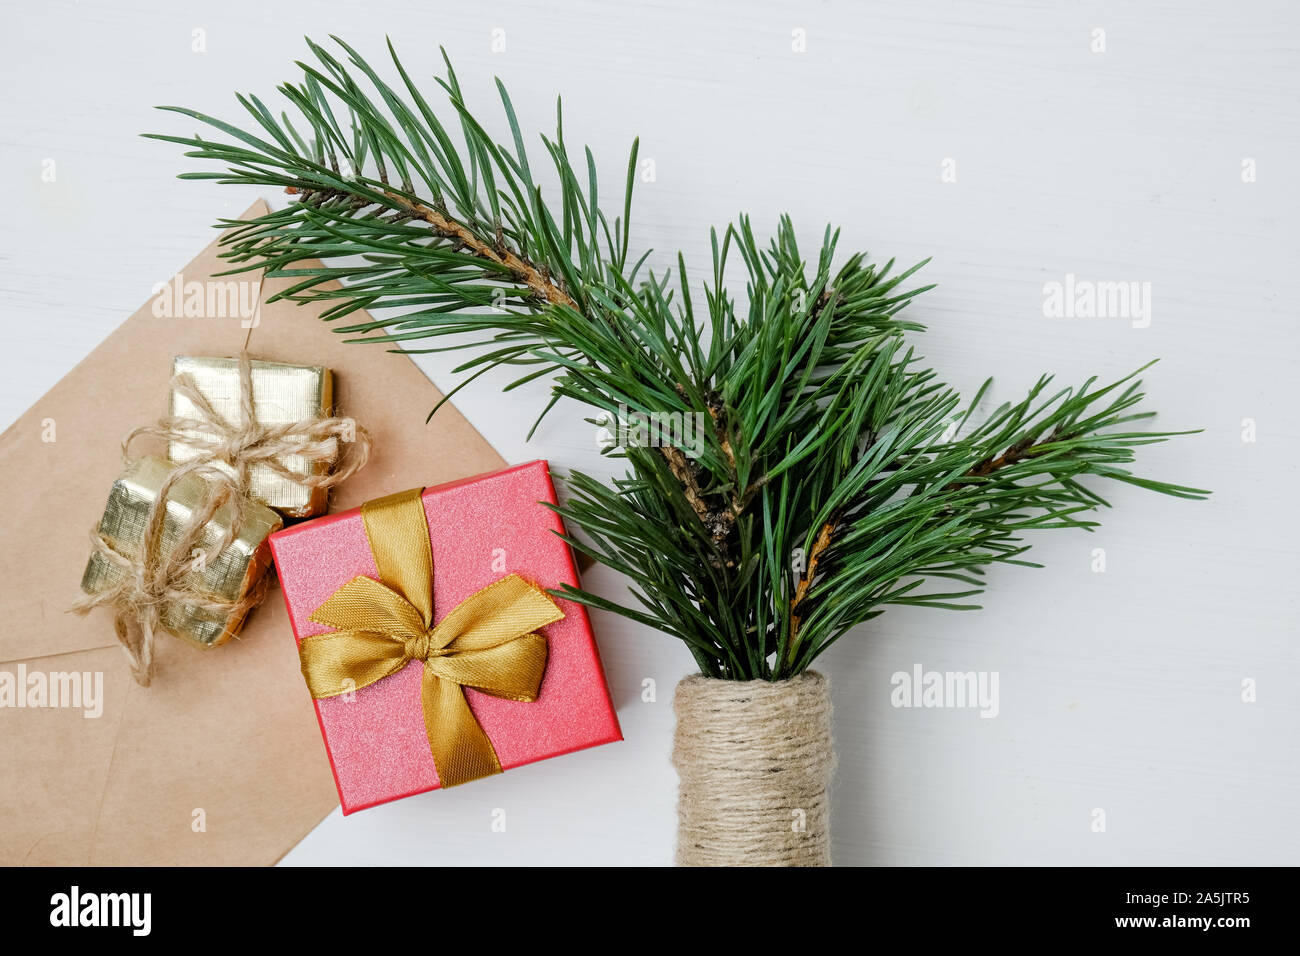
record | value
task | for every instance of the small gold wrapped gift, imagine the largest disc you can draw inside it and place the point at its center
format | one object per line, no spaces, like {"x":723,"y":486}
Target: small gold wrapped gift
{"x":226,"y":579}
{"x":282,"y":395}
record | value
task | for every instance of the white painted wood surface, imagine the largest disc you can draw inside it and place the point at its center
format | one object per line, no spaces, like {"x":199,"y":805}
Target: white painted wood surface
{"x":1119,"y":690}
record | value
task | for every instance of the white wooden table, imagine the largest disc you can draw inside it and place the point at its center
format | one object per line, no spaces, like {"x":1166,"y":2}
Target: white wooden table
{"x":997,"y":138}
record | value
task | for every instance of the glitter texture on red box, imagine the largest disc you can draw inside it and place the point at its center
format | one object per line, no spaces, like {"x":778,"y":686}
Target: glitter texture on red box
{"x":481,"y":529}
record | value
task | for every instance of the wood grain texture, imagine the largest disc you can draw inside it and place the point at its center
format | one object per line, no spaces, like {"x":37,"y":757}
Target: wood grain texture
{"x":1118,"y":690}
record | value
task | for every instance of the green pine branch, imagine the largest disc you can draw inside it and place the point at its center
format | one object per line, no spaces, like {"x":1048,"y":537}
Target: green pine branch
{"x":834,"y":475}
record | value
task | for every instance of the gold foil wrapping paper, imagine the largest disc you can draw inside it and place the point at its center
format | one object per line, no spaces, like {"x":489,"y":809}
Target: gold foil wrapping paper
{"x":282,"y":395}
{"x":234,"y":571}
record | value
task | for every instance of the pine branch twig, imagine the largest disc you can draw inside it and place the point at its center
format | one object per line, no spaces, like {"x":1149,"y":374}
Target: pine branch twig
{"x":825,"y":429}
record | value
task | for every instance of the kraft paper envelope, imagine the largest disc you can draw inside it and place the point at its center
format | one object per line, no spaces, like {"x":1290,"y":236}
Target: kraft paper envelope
{"x":220,"y":761}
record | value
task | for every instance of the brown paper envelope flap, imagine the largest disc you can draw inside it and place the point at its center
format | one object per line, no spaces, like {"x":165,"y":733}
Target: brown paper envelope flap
{"x":229,"y":732}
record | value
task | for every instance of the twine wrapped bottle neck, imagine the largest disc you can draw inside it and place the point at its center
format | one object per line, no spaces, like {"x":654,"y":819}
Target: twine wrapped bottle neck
{"x":755,"y":761}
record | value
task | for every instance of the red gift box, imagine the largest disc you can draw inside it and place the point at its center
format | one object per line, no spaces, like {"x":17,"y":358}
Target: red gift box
{"x":482,"y":529}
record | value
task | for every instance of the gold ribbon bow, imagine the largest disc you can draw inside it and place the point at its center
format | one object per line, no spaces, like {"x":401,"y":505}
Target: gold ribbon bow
{"x":487,"y":642}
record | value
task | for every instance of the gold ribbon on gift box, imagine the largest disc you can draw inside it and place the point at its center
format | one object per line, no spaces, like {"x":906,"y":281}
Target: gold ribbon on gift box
{"x":487,"y":642}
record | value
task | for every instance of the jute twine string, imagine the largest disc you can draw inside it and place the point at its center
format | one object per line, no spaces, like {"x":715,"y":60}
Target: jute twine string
{"x":240,"y":446}
{"x":151,"y":578}
{"x":755,"y":763}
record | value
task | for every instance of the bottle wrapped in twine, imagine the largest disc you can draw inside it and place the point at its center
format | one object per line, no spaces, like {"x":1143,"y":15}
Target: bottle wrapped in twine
{"x":755,"y":762}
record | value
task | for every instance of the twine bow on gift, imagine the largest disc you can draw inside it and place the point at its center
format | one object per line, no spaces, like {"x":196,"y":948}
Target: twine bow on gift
{"x":239,"y":446}
{"x":224,"y":452}
{"x":487,"y":642}
{"x":156,"y":576}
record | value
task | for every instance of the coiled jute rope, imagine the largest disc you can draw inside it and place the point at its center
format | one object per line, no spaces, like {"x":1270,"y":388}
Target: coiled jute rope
{"x":754,"y":760}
